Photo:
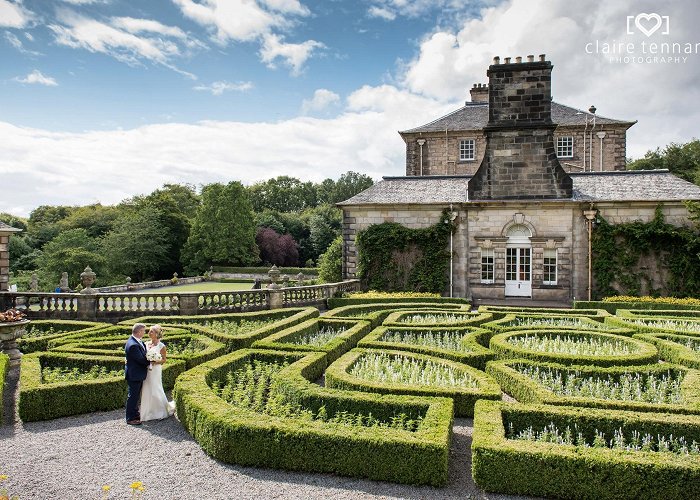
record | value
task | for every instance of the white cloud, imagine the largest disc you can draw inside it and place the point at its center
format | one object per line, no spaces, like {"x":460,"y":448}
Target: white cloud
{"x":294,"y":55}
{"x":17,"y":44}
{"x":120,"y":39}
{"x":37,"y":77}
{"x":14,"y":15}
{"x":381,"y":12}
{"x":322,"y":99}
{"x":85,"y":2}
{"x":218,"y":88}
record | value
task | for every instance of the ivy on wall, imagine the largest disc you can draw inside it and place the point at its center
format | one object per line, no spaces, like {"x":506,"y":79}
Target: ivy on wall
{"x":393,"y":257}
{"x":654,"y":258}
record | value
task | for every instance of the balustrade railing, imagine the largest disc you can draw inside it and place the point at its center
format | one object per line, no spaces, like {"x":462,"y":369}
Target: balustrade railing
{"x":136,"y":304}
{"x":237,"y":301}
{"x":44,"y":305}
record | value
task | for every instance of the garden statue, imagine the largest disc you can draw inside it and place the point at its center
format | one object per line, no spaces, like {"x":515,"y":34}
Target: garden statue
{"x":34,"y":283}
{"x":300,"y":279}
{"x":174,"y":279}
{"x":87,"y":278}
{"x":63,"y":284}
{"x":274,"y":275}
{"x":285,"y":281}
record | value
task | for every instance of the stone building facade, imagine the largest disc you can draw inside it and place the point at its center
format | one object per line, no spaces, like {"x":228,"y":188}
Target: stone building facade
{"x":522,"y":219}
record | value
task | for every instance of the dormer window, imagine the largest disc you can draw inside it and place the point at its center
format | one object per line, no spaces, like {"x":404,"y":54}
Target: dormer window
{"x":467,"y":150}
{"x":565,"y":147}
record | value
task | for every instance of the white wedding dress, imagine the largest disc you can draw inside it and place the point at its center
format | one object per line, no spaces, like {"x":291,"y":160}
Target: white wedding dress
{"x":154,"y":402}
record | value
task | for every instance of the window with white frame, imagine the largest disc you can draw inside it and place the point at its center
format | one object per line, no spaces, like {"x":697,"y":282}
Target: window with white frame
{"x":487,"y":265}
{"x":550,"y":267}
{"x":565,"y":147}
{"x":467,"y":150}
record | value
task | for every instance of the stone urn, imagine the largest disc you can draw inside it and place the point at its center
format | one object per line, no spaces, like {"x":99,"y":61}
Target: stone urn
{"x":9,"y":333}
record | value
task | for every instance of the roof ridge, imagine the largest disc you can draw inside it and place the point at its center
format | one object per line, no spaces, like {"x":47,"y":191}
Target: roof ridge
{"x":624,"y":172}
{"x":593,"y":114}
{"x":436,"y":119}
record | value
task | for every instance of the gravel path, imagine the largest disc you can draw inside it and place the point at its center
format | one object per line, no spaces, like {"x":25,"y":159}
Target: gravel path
{"x":71,"y":458}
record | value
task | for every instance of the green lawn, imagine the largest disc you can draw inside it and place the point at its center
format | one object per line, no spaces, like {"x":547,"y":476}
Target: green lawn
{"x":205,"y":286}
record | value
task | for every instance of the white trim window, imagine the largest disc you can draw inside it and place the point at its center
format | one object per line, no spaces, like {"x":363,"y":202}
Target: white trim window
{"x":549,"y":267}
{"x":467,"y":150}
{"x":565,"y":146}
{"x":487,"y":265}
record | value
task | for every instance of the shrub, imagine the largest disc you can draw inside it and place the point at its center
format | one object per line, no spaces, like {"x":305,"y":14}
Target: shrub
{"x":264,"y":270}
{"x":396,"y":372}
{"x":590,"y":311}
{"x":332,"y":336}
{"x":394,"y":298}
{"x":686,"y":301}
{"x":4,"y":367}
{"x":659,"y":387}
{"x":236,"y":434}
{"x":517,"y":321}
{"x":435,"y":318}
{"x":42,"y":401}
{"x":571,"y":347}
{"x":41,"y":332}
{"x":682,"y":326}
{"x":658,"y":313}
{"x":611,"y":307}
{"x":330,"y":263}
{"x":463,"y":346}
{"x":376,"y":313}
{"x":673,"y":348}
{"x":520,"y":467}
{"x":117,"y":333}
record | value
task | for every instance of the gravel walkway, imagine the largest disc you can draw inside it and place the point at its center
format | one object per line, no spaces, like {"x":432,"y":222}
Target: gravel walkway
{"x":71,"y":458}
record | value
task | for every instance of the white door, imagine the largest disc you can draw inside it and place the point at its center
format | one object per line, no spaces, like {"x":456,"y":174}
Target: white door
{"x":518,"y":272}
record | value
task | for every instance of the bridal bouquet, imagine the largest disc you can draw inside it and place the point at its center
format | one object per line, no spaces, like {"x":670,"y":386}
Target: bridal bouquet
{"x":153,"y":356}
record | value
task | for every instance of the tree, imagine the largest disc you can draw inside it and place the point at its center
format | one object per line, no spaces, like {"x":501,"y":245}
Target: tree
{"x":349,"y":184}
{"x":71,"y":251}
{"x":276,"y":248}
{"x":330,"y":264}
{"x":325,"y":224}
{"x":682,"y":160}
{"x":223,"y":231}
{"x":18,"y":249}
{"x":283,"y":193}
{"x":183,"y":195}
{"x":43,"y":224}
{"x":96,"y":219}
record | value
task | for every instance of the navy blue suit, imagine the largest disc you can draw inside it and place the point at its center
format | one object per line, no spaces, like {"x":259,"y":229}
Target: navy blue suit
{"x":135,"y":373}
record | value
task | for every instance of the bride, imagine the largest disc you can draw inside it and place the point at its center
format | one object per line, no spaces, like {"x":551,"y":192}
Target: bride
{"x":154,"y":402}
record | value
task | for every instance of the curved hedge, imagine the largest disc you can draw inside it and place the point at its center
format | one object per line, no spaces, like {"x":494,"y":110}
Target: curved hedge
{"x":376,"y":313}
{"x":234,"y":434}
{"x":350,"y":332}
{"x":335,"y":302}
{"x":544,"y":310}
{"x":211,"y":348}
{"x":55,"y":329}
{"x":656,"y":325}
{"x":470,"y":318}
{"x":526,"y":390}
{"x":40,"y":401}
{"x":663,"y":313}
{"x":116,"y":332}
{"x":671,"y":350}
{"x":510,"y":321}
{"x":338,"y":377}
{"x":645,"y":353}
{"x":474,"y":353}
{"x":522,"y":467}
{"x":612,"y":307}
{"x":4,"y":367}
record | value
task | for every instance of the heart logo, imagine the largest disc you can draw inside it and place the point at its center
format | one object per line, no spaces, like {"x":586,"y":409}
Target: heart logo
{"x":648,"y":23}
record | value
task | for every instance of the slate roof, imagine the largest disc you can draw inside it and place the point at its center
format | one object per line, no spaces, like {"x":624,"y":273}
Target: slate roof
{"x":475,"y":116}
{"x":7,"y":228}
{"x":639,"y":185}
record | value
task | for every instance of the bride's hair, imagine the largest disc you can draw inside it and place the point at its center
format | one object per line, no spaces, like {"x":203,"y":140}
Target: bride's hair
{"x":158,"y":331}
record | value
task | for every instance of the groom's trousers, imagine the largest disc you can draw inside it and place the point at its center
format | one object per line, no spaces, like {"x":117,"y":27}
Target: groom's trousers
{"x":132,"y":399}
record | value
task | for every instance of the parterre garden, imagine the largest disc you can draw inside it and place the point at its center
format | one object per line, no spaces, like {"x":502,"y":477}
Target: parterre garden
{"x":579,"y":403}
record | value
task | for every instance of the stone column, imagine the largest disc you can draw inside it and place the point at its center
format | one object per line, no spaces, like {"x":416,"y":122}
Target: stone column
{"x":189,"y":303}
{"x":5,"y":233}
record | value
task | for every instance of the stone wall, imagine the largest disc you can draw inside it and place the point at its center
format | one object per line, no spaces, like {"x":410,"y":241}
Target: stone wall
{"x":441,"y":160}
{"x":4,"y":262}
{"x":614,"y":148}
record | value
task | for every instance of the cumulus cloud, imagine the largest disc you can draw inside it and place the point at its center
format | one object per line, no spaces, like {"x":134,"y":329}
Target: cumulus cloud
{"x":321,"y":100}
{"x":293,"y":55}
{"x":218,"y":88}
{"x":14,"y":15}
{"x":38,"y":78}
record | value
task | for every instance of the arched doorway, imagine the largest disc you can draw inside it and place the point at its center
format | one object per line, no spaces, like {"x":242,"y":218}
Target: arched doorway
{"x":518,"y":262}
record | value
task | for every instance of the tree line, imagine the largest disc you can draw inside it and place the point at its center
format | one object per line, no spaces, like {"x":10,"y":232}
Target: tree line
{"x":178,"y":228}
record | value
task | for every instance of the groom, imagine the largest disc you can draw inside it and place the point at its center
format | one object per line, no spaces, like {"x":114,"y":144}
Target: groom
{"x":135,"y":372}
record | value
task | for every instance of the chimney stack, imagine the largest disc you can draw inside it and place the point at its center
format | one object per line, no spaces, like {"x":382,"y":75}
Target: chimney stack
{"x":479,"y":93}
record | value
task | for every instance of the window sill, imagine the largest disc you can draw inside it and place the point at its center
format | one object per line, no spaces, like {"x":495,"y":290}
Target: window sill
{"x":467,"y":161}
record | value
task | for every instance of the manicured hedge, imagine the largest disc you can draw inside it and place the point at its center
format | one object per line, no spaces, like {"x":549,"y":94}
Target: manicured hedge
{"x":236,"y":435}
{"x":526,"y":390}
{"x":60,"y":328}
{"x":611,"y":307}
{"x":335,"y":302}
{"x":4,"y":367}
{"x":263,"y":270}
{"x":376,"y":313}
{"x":646,"y":353}
{"x":671,"y":350}
{"x":469,"y":318}
{"x":593,"y":323}
{"x":475,"y":354}
{"x":338,"y":377}
{"x":111,"y":333}
{"x":639,"y":328}
{"x":283,"y":318}
{"x":39,"y":401}
{"x":211,"y":348}
{"x":591,"y":311}
{"x":663,"y":313}
{"x":354,"y":330}
{"x":565,"y":471}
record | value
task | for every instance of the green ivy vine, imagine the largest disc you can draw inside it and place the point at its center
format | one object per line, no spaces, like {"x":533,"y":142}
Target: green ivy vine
{"x":393,"y":257}
{"x":619,"y":248}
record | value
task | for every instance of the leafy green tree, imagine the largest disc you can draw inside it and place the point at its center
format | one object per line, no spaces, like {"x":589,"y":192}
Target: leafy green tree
{"x":330,"y":264}
{"x":96,"y":219}
{"x":18,"y":249}
{"x":70,"y":252}
{"x":223,"y":231}
{"x":43,"y":224}
{"x":183,"y":195}
{"x":349,"y":184}
{"x":14,"y":221}
{"x":283,"y":193}
{"x":682,"y":160}
{"x":325,"y":225}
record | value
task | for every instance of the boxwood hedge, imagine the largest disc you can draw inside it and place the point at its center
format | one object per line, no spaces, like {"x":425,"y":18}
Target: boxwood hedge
{"x":672,"y":350}
{"x":376,"y":313}
{"x":644,"y":353}
{"x":116,"y":333}
{"x":521,"y":467}
{"x":611,"y":307}
{"x":663,"y":313}
{"x":335,"y":302}
{"x":210,"y":349}
{"x":289,"y":339}
{"x":41,"y":332}
{"x":234,"y":434}
{"x":516,"y":321}
{"x":40,"y":401}
{"x":526,"y":390}
{"x":544,"y":310}
{"x":338,"y":377}
{"x":656,"y":324}
{"x":473,"y":354}
{"x":466,"y":318}
{"x":4,"y":367}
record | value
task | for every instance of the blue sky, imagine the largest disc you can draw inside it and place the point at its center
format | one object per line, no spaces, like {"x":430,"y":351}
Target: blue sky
{"x":104,"y":99}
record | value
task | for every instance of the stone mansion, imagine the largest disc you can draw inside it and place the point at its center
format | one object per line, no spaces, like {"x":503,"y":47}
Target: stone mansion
{"x":524,"y":177}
